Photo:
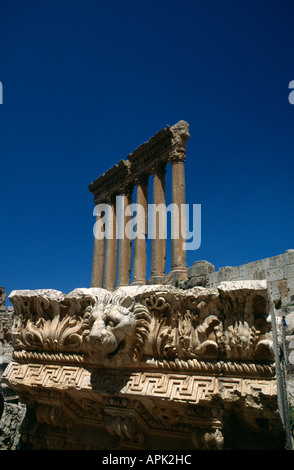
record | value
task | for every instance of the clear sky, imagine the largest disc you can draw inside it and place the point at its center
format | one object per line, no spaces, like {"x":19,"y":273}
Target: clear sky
{"x":86,"y":82}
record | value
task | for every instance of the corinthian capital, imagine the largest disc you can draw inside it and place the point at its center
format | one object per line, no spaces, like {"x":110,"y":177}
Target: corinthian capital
{"x":177,"y":156}
{"x":127,"y":189}
{"x":141,"y":179}
{"x":111,"y":198}
{"x":159,"y":168}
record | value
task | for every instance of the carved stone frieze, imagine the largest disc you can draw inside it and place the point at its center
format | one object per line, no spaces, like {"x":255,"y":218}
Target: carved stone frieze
{"x":145,"y":324}
{"x":142,"y":362}
{"x":171,"y":140}
{"x":190,"y":388}
{"x":47,"y":321}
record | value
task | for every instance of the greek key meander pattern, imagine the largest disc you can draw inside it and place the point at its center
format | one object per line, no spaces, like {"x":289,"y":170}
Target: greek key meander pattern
{"x":172,"y":386}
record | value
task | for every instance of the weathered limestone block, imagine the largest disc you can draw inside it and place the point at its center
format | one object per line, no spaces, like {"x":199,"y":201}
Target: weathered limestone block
{"x":2,"y":299}
{"x":290,"y":322}
{"x":290,"y":256}
{"x":129,"y":368}
{"x":200,"y":268}
{"x":197,"y":274}
{"x":278,"y":271}
{"x":13,"y":414}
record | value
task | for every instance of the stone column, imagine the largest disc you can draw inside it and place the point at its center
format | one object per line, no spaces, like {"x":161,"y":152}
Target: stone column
{"x":178,"y":254}
{"x":111,"y":246}
{"x":159,"y":222}
{"x":98,"y":253}
{"x":140,"y":255}
{"x":125,"y":243}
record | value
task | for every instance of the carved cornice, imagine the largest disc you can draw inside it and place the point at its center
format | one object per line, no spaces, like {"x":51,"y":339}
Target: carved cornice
{"x":111,"y":181}
{"x":146,"y":325}
{"x":180,"y":132}
{"x":111,"y":361}
{"x":189,"y":388}
{"x":164,"y":146}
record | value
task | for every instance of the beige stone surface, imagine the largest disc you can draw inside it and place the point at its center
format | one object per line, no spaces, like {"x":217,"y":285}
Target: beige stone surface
{"x":146,"y":367}
{"x":278,"y":271}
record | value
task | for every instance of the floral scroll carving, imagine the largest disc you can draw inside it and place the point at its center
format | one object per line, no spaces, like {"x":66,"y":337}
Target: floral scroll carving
{"x":143,"y":364}
{"x":177,"y":329}
{"x":135,"y":324}
{"x":45,"y":320}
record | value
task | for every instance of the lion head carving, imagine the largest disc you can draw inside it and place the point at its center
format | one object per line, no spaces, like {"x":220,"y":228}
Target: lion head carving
{"x":118,"y":329}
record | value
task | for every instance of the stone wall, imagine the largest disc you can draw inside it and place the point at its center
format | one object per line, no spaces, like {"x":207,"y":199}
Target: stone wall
{"x":6,"y":349}
{"x":277,"y":270}
{"x":11,"y":411}
{"x":2,"y":299}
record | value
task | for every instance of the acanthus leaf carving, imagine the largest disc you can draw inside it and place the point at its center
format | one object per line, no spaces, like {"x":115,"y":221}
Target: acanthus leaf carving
{"x":138,"y":323}
{"x":50,"y":321}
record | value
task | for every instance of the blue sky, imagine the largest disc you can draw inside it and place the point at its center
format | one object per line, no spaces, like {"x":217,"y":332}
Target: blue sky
{"x":86,"y":82}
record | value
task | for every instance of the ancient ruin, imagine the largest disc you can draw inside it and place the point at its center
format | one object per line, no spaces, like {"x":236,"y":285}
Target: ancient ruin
{"x":151,"y":158}
{"x":11,"y":410}
{"x":140,"y":364}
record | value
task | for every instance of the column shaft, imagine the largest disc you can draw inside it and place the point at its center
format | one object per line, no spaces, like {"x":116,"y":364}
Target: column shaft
{"x":159,"y":221}
{"x":178,"y":255}
{"x":125,"y":245}
{"x":111,"y":247}
{"x":140,"y":255}
{"x":98,"y":253}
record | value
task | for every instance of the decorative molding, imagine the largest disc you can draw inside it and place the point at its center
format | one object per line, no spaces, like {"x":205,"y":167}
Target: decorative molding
{"x":142,"y":362}
{"x":168,"y":141}
{"x":147,"y":324}
{"x":168,"y":386}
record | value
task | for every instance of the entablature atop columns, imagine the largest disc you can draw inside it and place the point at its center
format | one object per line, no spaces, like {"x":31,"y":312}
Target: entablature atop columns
{"x":166,"y":145}
{"x":111,"y":182}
